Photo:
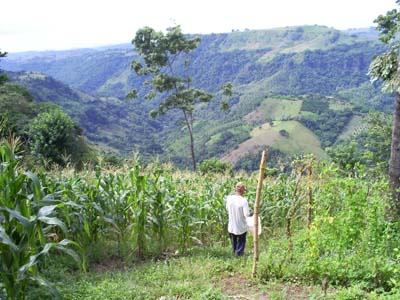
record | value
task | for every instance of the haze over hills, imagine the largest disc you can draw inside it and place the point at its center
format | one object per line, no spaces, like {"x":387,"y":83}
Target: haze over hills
{"x":297,"y":89}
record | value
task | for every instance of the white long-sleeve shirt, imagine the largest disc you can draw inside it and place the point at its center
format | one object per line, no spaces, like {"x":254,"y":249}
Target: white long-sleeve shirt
{"x":238,"y":209}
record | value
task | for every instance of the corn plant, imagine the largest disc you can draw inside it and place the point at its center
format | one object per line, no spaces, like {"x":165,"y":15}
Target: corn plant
{"x":160,"y":208}
{"x":25,"y":227}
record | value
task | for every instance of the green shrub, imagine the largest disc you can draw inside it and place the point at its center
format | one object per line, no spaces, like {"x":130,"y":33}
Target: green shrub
{"x":215,"y":166}
{"x":56,"y":138}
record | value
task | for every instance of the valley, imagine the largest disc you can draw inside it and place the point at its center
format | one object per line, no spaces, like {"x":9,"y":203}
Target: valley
{"x":272,"y":72}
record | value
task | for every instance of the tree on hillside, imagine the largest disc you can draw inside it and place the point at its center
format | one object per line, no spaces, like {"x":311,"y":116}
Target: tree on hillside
{"x":386,"y":67}
{"x":163,"y":56}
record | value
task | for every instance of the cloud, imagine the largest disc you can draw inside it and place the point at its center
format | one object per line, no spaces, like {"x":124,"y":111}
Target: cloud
{"x":61,"y":24}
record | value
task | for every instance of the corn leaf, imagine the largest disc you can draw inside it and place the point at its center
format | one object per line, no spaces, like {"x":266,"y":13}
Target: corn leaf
{"x":6,"y":240}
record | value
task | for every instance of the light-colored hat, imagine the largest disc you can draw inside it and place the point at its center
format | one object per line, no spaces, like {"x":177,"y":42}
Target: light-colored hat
{"x":240,"y":185}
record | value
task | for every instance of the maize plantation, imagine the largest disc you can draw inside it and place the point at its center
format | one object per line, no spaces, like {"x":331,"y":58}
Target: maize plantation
{"x":319,"y":225}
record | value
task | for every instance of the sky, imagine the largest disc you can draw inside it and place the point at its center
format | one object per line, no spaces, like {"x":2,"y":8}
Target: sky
{"x":27,"y":25}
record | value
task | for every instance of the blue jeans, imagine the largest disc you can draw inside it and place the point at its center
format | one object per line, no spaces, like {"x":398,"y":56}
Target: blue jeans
{"x":238,"y":243}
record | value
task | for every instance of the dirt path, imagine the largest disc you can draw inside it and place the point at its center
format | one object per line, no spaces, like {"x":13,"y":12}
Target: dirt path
{"x":241,"y":288}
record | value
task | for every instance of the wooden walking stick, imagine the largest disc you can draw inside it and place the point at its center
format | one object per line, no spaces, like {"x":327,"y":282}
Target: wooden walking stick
{"x":257,"y":209}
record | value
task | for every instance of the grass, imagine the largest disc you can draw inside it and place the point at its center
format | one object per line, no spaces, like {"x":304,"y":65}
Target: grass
{"x":193,"y":276}
{"x":278,"y":109}
{"x":286,"y":40}
{"x":260,"y":136}
{"x":300,"y":139}
{"x":205,"y":273}
{"x":171,"y":278}
{"x":338,"y":105}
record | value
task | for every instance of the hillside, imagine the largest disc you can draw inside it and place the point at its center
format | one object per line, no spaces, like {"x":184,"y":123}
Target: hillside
{"x":288,"y":63}
{"x":110,"y":130}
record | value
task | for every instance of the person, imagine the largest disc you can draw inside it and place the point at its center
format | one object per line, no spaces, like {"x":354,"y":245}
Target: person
{"x":238,"y":209}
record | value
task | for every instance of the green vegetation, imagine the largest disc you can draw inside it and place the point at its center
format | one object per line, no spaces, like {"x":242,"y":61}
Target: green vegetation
{"x":160,"y":52}
{"x":356,"y":124}
{"x":329,"y":120}
{"x":280,"y":109}
{"x":49,"y":133}
{"x":299,"y":139}
{"x":385,"y":67}
{"x":286,"y":40}
{"x":55,"y":138}
{"x":368,"y":145}
{"x":27,"y":220}
{"x":215,"y":166}
{"x":109,"y":131}
{"x":3,"y":77}
{"x":280,"y":64}
{"x":133,"y":227}
{"x":134,"y":213}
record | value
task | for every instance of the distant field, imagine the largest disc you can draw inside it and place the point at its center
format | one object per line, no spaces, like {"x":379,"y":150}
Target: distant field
{"x":278,"y":109}
{"x":261,"y":136}
{"x":338,"y":105}
{"x":275,"y":109}
{"x":299,"y":140}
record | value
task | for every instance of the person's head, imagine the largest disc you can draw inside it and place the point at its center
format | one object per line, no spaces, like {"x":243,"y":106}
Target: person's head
{"x":240,"y":188}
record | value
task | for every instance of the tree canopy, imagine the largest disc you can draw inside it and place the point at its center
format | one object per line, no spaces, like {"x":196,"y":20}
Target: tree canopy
{"x":386,"y":68}
{"x":163,"y":55}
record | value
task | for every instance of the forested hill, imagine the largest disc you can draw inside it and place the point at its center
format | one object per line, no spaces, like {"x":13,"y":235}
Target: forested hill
{"x":106,"y":121}
{"x":240,"y":57}
{"x":290,"y":85}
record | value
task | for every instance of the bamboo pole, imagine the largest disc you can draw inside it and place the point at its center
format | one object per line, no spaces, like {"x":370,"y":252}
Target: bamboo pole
{"x":256,"y":211}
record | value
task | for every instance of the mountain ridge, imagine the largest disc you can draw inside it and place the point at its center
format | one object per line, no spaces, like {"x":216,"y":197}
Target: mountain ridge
{"x":288,"y":62}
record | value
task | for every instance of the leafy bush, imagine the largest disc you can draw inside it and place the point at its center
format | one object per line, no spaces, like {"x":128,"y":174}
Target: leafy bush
{"x":284,"y":133}
{"x":55,"y":138}
{"x":349,"y":240}
{"x":215,"y":166}
{"x":368,"y":146}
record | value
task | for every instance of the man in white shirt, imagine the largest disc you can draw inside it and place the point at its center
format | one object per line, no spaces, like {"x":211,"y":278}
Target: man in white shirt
{"x":238,"y":209}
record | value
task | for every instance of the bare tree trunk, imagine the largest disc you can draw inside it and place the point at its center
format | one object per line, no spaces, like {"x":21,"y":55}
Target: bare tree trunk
{"x":394,"y":163}
{"x":192,"y":149}
{"x":256,"y":211}
{"x":189,"y":124}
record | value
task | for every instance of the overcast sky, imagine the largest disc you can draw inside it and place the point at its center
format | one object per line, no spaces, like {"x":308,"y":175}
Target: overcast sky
{"x":64,"y":24}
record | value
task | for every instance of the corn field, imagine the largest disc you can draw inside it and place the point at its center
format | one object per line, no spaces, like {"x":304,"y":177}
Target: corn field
{"x":142,"y":212}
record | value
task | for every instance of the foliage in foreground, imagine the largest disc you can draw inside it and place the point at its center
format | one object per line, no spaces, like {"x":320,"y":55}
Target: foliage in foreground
{"x":50,"y":135}
{"x":320,"y":225}
{"x":27,"y":225}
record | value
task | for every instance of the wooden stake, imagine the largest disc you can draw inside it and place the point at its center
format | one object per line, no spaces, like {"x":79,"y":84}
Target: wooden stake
{"x":310,"y":197}
{"x":257,"y":209}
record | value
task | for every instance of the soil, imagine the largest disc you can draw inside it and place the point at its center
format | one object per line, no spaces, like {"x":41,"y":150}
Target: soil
{"x":110,"y":264}
{"x":261,"y":137}
{"x":255,"y":117}
{"x":239,"y":287}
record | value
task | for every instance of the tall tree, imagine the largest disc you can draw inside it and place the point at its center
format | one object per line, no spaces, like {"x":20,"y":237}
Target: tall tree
{"x":162,"y":58}
{"x":386,"y":67}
